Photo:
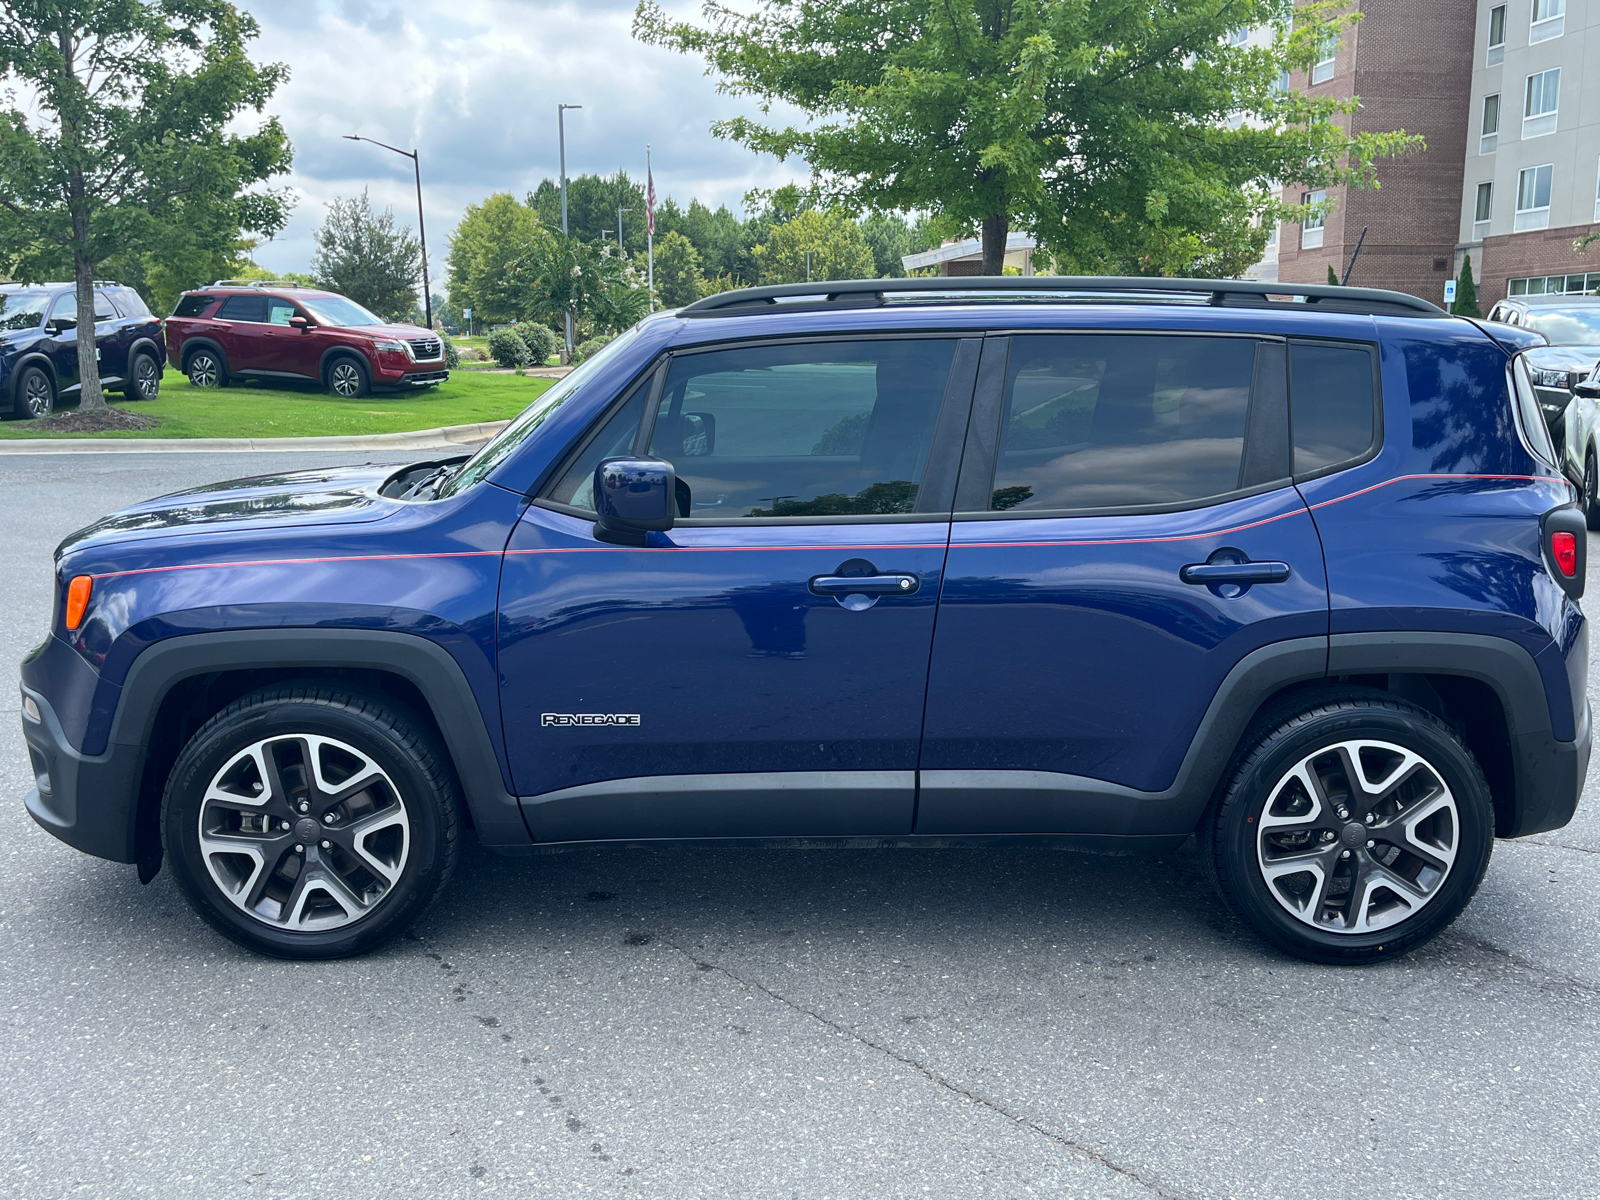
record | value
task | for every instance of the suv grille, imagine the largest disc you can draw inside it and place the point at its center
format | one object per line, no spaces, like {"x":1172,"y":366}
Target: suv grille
{"x":428,"y":347}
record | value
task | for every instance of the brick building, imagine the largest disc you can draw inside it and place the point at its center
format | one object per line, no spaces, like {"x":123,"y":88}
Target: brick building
{"x":1407,"y":62}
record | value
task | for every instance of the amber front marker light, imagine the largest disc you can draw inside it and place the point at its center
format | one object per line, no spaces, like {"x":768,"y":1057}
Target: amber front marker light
{"x":78,"y":599}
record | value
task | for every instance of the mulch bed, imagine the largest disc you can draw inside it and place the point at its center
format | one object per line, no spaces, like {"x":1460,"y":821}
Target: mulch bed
{"x":101,"y":421}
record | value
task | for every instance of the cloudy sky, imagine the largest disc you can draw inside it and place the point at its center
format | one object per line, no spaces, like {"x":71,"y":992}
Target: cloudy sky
{"x":474,"y":84}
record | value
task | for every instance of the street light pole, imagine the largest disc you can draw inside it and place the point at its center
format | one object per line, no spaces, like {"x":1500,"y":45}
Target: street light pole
{"x":561,"y":134}
{"x":422,"y":233}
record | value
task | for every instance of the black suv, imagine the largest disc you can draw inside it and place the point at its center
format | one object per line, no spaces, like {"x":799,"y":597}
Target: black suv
{"x":39,"y":345}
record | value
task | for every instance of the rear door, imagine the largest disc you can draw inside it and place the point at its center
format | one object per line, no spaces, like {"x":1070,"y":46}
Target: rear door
{"x":723,"y":681}
{"x":113,"y":335}
{"x":1125,"y":533}
{"x":243,"y":332}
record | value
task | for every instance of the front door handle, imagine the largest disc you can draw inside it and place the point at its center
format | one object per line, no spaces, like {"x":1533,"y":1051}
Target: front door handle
{"x":1235,"y":572}
{"x":864,"y":585}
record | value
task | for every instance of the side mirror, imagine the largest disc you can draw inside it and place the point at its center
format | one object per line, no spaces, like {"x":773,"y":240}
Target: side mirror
{"x":1589,"y":389}
{"x":62,"y":324}
{"x":300,"y":323}
{"x":633,"y":496}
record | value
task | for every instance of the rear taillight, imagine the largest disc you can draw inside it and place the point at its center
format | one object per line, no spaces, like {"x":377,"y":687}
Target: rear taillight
{"x":1564,"y":549}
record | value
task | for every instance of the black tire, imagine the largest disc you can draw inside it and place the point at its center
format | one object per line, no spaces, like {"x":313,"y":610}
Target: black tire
{"x":144,"y":378}
{"x":296,"y":888}
{"x":205,"y":368}
{"x":1591,"y":489}
{"x":347,"y":377}
{"x":35,"y":395}
{"x":1239,"y":853}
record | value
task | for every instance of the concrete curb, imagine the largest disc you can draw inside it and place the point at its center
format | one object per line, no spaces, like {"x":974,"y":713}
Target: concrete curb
{"x":451,"y":437}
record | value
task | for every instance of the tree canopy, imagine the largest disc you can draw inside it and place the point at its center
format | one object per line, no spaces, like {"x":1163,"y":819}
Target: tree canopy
{"x":490,"y":237}
{"x":1124,"y":135}
{"x":815,"y":245}
{"x":365,"y":255}
{"x":131,"y":145}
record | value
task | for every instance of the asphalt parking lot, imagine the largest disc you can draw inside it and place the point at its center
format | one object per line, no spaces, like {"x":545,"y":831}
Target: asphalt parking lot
{"x":794,"y":1025}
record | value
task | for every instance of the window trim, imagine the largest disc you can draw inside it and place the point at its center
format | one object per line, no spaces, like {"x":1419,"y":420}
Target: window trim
{"x":950,"y":423}
{"x":980,"y":462}
{"x":1519,"y":212}
{"x":1376,"y":447}
{"x":1491,"y":57}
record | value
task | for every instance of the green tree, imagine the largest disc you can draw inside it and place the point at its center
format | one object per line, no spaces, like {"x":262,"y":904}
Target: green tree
{"x":365,"y":255}
{"x":1111,"y":130}
{"x":128,"y":142}
{"x":891,"y":237}
{"x":592,"y":203}
{"x":1333,"y":276}
{"x":815,"y":245}
{"x":678,"y":278}
{"x":556,"y":275}
{"x":620,"y":299}
{"x":1467,"y":291}
{"x":490,"y":237}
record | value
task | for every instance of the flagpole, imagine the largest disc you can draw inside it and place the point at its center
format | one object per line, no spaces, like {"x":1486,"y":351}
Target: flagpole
{"x":650,"y":236}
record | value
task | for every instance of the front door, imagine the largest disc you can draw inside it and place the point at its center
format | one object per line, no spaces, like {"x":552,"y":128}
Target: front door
{"x":1129,"y":535}
{"x":291,"y":350}
{"x":760,"y":670}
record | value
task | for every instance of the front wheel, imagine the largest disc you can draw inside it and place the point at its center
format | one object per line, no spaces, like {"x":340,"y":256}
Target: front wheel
{"x":35,"y":395}
{"x":1353,"y":831}
{"x":308,"y":822}
{"x":347,"y":379}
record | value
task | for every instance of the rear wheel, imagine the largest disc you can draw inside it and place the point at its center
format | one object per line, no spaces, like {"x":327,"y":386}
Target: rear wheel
{"x":205,"y":370}
{"x":35,"y":395}
{"x":1353,"y":831}
{"x":144,"y":380}
{"x":308,"y":822}
{"x":347,"y":378}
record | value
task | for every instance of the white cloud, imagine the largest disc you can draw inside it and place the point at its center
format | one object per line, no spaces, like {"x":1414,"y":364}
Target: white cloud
{"x":473,"y":85}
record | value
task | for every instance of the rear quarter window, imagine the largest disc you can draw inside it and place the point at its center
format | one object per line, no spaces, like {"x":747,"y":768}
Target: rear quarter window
{"x":193,"y":306}
{"x":1333,"y":409}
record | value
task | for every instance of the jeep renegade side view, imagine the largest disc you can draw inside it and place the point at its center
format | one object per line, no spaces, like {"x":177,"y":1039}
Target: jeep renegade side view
{"x":1108,"y":563}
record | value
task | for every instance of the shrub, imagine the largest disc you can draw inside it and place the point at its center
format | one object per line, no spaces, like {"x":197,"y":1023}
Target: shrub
{"x":508,"y":349}
{"x":593,"y":346}
{"x":540,"y":341}
{"x":452,"y":356}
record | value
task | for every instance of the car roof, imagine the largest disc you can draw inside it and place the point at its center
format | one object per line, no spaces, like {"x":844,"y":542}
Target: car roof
{"x":1580,"y":299}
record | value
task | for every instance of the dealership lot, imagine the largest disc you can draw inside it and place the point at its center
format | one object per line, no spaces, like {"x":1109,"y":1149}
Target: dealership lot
{"x":754,"y":1023}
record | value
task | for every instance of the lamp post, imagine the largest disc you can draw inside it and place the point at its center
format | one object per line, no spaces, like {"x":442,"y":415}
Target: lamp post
{"x":561,"y":134}
{"x":422,"y":234}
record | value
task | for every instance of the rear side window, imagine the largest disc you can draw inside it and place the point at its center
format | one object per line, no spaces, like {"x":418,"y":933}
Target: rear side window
{"x":1332,"y":405}
{"x":1097,"y":421}
{"x":130,"y":302}
{"x":192,"y":306}
{"x":104,"y":310}
{"x":821,"y":429}
{"x":244,"y":308}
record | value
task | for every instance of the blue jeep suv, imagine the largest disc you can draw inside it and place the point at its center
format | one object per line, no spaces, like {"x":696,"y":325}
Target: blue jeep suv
{"x":39,"y":345}
{"x":1102,"y":563}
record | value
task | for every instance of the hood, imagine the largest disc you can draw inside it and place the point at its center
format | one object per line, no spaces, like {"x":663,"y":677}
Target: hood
{"x":404,"y":332}
{"x":1564,"y":358}
{"x":336,"y":496}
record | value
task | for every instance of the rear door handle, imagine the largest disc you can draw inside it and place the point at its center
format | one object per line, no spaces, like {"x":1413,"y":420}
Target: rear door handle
{"x":1235,"y":572}
{"x":864,"y":585}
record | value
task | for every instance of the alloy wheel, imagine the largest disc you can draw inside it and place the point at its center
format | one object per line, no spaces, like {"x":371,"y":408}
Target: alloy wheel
{"x":346,"y":379}
{"x":1358,"y":836}
{"x":204,"y":371}
{"x":36,"y":396}
{"x":1591,"y":484}
{"x":146,"y":378}
{"x":303,"y":832}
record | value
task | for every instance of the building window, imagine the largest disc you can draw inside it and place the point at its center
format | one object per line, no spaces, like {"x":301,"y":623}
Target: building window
{"x":1549,"y":20}
{"x":1497,"y":35}
{"x":1239,"y":37}
{"x":1322,"y":69}
{"x":1311,"y":227}
{"x":1556,"y":285}
{"x":1281,"y":83}
{"x":1597,"y":200}
{"x":1483,"y":211}
{"x":1491,"y":124}
{"x":1542,"y":98}
{"x":1533,"y":197}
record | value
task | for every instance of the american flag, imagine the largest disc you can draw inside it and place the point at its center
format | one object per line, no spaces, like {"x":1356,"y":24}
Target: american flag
{"x":650,"y":201}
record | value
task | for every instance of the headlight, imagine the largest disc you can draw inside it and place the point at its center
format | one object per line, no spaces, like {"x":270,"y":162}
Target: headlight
{"x":390,"y":344}
{"x":1550,"y":378}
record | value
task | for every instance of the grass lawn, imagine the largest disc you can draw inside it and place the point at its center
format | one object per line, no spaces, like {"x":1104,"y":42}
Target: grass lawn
{"x":280,"y":410}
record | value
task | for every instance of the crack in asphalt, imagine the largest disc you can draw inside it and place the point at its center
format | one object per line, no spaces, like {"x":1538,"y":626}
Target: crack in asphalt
{"x":1554,"y":981}
{"x":935,"y":1077}
{"x":1559,"y":845}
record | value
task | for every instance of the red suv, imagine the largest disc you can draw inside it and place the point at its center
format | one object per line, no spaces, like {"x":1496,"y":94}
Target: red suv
{"x":272,"y":330}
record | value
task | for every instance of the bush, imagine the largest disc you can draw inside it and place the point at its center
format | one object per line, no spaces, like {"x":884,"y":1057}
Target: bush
{"x":540,"y":341}
{"x":508,"y":349}
{"x":452,"y":356}
{"x":593,"y":346}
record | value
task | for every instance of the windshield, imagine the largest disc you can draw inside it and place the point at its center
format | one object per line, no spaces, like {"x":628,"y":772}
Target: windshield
{"x":22,"y":310}
{"x":1567,"y":326}
{"x":336,"y":310}
{"x":513,"y":435}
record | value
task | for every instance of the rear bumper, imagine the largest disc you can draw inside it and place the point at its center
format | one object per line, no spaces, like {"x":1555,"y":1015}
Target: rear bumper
{"x":88,"y":801}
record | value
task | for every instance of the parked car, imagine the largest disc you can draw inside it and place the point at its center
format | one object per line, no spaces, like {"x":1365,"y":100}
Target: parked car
{"x":39,"y":345}
{"x":1297,"y":579}
{"x":239,"y":329}
{"x":1571,"y":324}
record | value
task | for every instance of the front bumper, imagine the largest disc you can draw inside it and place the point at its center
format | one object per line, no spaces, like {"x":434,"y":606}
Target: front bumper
{"x":88,"y":801}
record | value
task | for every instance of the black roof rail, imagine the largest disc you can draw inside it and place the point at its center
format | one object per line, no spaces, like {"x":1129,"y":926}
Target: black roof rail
{"x":1057,"y":289}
